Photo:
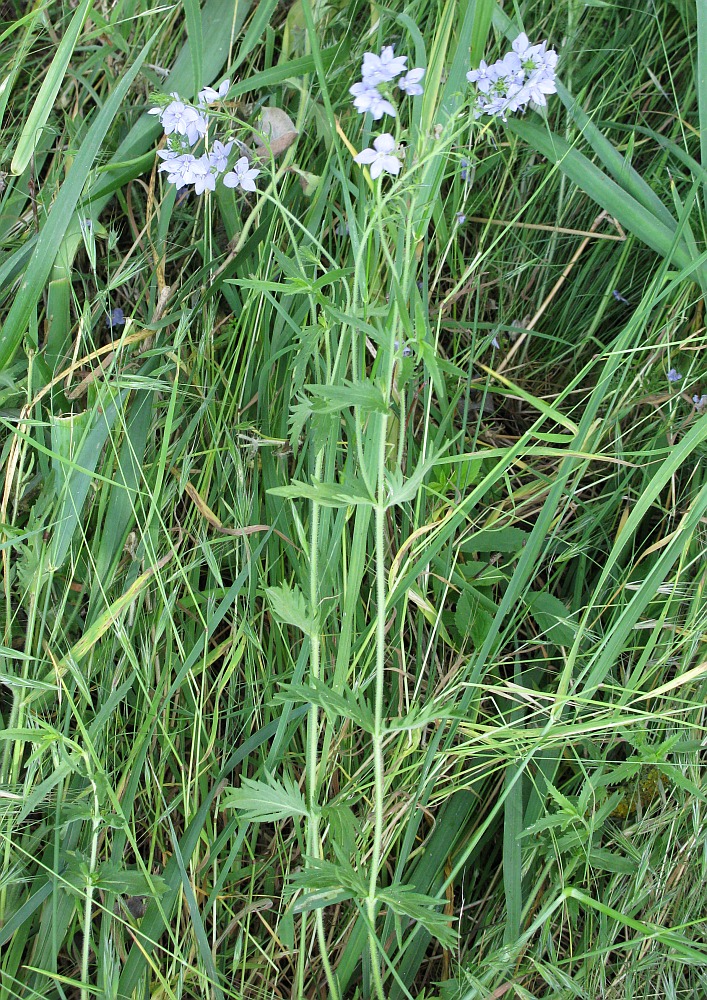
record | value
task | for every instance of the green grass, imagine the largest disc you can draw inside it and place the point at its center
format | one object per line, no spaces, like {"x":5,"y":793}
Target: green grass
{"x":328,"y":671}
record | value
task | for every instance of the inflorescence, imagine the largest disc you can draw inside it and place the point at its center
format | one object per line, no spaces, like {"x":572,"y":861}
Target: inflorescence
{"x":525,"y":75}
{"x":185,"y":126}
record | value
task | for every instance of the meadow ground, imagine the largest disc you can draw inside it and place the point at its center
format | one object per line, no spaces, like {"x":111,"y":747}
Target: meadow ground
{"x":352,"y":507}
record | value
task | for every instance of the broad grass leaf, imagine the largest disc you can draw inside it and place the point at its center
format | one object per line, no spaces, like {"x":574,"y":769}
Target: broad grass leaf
{"x":192,"y":18}
{"x":652,"y":229}
{"x":52,"y":233}
{"x":77,"y":441}
{"x":44,"y":101}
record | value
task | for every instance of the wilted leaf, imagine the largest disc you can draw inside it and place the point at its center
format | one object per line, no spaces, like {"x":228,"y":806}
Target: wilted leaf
{"x":277,"y":132}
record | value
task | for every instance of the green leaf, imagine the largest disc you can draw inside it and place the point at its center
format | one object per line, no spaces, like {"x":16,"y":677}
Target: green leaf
{"x":609,"y":861}
{"x":552,"y":617}
{"x":506,"y":539}
{"x":328,"y":883}
{"x":334,"y":398}
{"x":326,"y":494}
{"x":403,"y":490}
{"x":289,"y":605}
{"x":112,"y":878}
{"x":417,"y":906}
{"x":343,"y":705}
{"x":265,"y":801}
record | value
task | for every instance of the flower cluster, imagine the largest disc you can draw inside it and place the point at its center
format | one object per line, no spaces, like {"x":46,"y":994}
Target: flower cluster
{"x":378,"y":75}
{"x":373,"y":91}
{"x":525,"y":75}
{"x":185,"y":126}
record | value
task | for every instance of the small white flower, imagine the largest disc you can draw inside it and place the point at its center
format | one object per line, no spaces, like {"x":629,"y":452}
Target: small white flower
{"x":521,"y":45}
{"x":510,"y":69}
{"x":368,"y":98}
{"x":184,"y":120}
{"x":410,"y":83}
{"x":482,"y":77}
{"x":177,"y":166}
{"x":201,"y":175}
{"x":218,"y":156}
{"x":242,"y":175}
{"x":538,"y":85}
{"x":209,"y":96}
{"x":383,"y":156}
{"x":383,"y":68}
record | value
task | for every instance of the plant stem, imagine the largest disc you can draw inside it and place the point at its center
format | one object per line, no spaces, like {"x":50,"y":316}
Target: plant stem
{"x":378,"y":765}
{"x":313,"y":845}
{"x":86,"y":946}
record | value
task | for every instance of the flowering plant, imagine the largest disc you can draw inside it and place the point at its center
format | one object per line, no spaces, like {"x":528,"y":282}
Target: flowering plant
{"x":185,"y":126}
{"x":525,"y":75}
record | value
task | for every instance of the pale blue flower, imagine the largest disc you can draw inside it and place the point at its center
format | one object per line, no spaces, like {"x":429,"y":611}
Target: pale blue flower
{"x":538,"y":85}
{"x":209,"y":96}
{"x":534,"y":57}
{"x":202,"y":175}
{"x":700,"y":402}
{"x":218,"y":155}
{"x":368,"y":98}
{"x":482,"y":77}
{"x":184,"y":120}
{"x":460,"y":218}
{"x":674,"y":375}
{"x":383,"y":68}
{"x":619,"y":297}
{"x":526,"y":75}
{"x":410,"y":83}
{"x":242,"y":176}
{"x":383,"y":156}
{"x":177,"y":167}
